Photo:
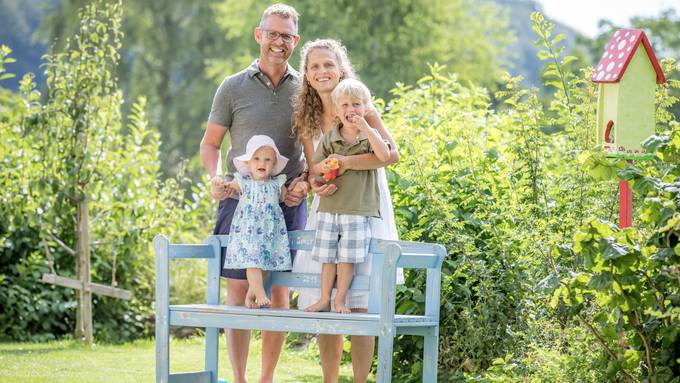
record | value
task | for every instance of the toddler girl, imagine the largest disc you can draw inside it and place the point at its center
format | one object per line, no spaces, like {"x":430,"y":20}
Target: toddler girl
{"x":258,"y":239}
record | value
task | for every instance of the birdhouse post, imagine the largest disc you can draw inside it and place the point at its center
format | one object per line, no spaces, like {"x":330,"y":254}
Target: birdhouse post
{"x":627,"y":74}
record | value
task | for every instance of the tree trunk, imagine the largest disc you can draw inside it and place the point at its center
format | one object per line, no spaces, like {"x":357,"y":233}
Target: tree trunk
{"x":84,"y":310}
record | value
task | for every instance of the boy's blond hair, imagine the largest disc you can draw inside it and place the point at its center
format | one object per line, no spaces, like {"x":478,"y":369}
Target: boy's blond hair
{"x":351,"y":88}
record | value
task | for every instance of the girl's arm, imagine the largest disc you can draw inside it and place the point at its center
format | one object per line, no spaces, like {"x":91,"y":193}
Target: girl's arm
{"x":284,"y":191}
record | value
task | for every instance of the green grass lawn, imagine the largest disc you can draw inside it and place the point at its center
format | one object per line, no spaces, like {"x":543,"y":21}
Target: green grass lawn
{"x":69,"y":361}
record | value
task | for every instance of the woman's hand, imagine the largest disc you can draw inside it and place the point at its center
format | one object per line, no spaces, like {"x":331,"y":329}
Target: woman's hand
{"x":321,"y":189}
{"x":218,"y":190}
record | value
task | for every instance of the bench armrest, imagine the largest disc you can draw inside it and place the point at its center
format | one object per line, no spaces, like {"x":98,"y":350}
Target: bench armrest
{"x":394,"y":257}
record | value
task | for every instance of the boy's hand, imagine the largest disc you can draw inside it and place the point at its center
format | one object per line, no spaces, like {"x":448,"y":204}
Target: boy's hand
{"x":218,"y":188}
{"x":330,"y":167}
{"x":360,"y":123}
{"x":343,"y":164}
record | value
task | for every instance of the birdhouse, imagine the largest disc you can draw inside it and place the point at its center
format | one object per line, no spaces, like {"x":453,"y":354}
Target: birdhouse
{"x":627,"y":75}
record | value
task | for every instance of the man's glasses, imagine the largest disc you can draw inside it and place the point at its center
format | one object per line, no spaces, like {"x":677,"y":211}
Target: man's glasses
{"x":274,"y":35}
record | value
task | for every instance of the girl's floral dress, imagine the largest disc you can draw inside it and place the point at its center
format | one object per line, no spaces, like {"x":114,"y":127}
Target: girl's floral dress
{"x":258,"y":236}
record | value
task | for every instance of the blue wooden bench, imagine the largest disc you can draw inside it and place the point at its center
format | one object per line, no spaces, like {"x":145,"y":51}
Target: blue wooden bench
{"x":380,"y":320}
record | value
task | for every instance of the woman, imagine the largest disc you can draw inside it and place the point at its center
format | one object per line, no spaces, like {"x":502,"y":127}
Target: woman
{"x":323,"y":65}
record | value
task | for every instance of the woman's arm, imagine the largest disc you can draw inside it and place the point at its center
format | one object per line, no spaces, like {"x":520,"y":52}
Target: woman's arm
{"x":373,"y":118}
{"x":308,"y":150}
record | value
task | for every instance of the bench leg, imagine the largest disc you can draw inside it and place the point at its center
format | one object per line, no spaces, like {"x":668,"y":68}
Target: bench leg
{"x":162,"y":351}
{"x":430,"y":355}
{"x":211,"y":351}
{"x":385,"y":346}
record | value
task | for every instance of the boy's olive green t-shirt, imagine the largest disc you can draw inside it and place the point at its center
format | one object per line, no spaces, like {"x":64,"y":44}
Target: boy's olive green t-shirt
{"x":358,"y":192}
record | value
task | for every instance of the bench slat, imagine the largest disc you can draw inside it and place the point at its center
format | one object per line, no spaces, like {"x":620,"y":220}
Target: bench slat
{"x":190,"y":251}
{"x":307,"y":324}
{"x":190,"y":377}
{"x":283,"y":313}
{"x":417,"y":261}
{"x":379,"y":245}
{"x":298,"y":239}
{"x":360,"y":282}
{"x":304,"y":240}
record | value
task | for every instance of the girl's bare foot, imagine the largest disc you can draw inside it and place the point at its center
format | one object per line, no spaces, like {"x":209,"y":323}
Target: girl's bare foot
{"x":262,"y":300}
{"x":320,"y":305}
{"x":341,"y":308}
{"x":251,"y":299}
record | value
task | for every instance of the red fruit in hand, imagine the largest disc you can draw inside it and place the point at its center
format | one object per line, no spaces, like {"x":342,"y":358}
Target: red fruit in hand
{"x":333,"y":174}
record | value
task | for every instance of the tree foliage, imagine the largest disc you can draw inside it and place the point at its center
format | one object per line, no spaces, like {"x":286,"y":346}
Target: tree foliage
{"x":69,"y":145}
{"x":165,"y":50}
{"x":388,"y":41}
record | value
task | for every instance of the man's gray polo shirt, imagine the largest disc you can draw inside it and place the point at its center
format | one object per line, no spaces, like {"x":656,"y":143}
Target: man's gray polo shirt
{"x":247,"y":104}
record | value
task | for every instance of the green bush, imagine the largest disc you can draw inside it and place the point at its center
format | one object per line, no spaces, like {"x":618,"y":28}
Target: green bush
{"x":500,"y":193}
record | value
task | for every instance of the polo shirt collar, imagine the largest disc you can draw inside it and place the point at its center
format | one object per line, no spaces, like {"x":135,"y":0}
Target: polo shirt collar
{"x":336,"y":136}
{"x":254,"y":69}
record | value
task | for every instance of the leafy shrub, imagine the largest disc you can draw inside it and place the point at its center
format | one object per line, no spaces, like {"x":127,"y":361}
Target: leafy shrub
{"x":501,"y":194}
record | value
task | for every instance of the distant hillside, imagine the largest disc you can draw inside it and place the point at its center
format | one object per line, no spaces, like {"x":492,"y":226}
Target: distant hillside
{"x":19,"y":20}
{"x":523,"y":52}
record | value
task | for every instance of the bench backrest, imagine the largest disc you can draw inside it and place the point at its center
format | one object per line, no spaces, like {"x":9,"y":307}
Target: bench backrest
{"x":386,"y":256}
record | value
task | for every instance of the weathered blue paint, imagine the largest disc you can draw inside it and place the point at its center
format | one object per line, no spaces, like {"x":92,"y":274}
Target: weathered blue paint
{"x":380,"y":321}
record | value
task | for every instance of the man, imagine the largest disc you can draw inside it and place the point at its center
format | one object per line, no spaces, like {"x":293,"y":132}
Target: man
{"x":258,"y":100}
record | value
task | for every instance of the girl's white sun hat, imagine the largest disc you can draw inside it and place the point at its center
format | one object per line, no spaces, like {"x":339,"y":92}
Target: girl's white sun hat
{"x":255,"y":143}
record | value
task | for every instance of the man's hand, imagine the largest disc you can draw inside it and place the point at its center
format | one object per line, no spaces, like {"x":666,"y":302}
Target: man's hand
{"x":297,"y":192}
{"x":218,"y":190}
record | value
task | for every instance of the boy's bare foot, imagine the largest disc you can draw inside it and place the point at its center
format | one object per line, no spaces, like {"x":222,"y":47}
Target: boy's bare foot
{"x":341,"y":308}
{"x":320,"y":305}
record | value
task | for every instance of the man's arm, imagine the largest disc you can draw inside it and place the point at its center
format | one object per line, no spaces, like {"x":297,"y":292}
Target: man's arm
{"x":210,"y":155}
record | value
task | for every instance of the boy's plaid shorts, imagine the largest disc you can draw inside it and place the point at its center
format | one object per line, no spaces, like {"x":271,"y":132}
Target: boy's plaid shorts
{"x":341,"y":238}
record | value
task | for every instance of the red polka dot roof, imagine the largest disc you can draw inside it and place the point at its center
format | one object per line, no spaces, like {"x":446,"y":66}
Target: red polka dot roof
{"x":619,"y":52}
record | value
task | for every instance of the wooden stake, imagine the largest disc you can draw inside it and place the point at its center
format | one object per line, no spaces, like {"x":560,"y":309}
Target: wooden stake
{"x":83,"y":256}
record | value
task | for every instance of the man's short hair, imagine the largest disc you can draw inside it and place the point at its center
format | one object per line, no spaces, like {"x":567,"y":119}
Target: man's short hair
{"x":283,"y":10}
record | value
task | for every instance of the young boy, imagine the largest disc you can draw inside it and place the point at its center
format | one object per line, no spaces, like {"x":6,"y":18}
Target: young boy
{"x":342,"y":235}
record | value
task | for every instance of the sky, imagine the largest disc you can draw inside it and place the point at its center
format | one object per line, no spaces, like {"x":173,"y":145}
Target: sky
{"x":583,"y":15}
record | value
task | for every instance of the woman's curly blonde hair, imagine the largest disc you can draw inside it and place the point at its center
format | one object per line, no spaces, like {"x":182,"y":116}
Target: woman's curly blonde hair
{"x":307,"y":102}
